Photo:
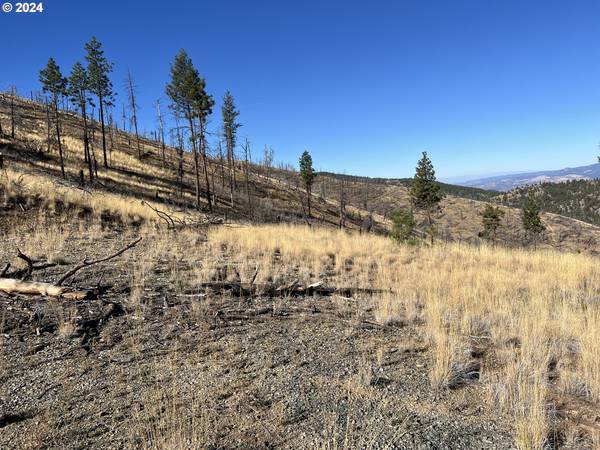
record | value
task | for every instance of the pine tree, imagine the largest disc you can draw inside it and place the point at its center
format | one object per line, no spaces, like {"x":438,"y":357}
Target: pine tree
{"x":78,"y":93}
{"x":403,"y":225}
{"x":425,"y":191}
{"x":530,"y":218}
{"x":203,"y":104}
{"x":186,"y":91}
{"x":230,"y":126}
{"x":54,"y":83}
{"x":491,"y":218}
{"x":98,"y":70}
{"x":308,"y":175}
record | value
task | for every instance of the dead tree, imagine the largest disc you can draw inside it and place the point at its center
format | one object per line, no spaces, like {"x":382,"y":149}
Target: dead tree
{"x":161,"y":125}
{"x":222,"y":164}
{"x":178,"y":132}
{"x":247,"y":160}
{"x":342,"y":204}
{"x":203,"y":151}
{"x":133,"y":107}
{"x":48,"y":122}
{"x":13,"y":114}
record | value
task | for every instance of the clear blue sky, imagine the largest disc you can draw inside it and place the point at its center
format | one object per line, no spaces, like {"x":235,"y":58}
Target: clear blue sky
{"x":485,"y":86}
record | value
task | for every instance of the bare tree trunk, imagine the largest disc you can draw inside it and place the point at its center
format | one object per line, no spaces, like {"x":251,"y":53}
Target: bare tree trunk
{"x":214,"y":191}
{"x":133,"y":106}
{"x":60,"y":152}
{"x":86,"y":142}
{"x":48,"y":121}
{"x":162,"y":131}
{"x":247,"y":158}
{"x":222,"y":163}
{"x":12,"y":117}
{"x":342,"y":205}
{"x":230,"y":163}
{"x":195,"y":152}
{"x":205,"y":161}
{"x":179,"y":135}
{"x":103,"y":131}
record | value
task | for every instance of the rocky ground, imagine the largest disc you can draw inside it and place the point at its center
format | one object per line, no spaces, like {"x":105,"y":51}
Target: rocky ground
{"x":184,"y":368}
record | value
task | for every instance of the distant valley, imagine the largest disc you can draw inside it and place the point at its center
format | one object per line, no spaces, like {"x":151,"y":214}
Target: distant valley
{"x":511,"y":181}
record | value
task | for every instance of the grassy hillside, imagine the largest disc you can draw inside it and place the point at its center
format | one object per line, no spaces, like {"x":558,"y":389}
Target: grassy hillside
{"x":448,"y":189}
{"x":132,"y":189}
{"x":32,"y":176}
{"x":460,"y":220}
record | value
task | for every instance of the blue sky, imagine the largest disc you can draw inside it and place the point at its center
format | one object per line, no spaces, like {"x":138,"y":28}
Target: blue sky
{"x":484,"y":86}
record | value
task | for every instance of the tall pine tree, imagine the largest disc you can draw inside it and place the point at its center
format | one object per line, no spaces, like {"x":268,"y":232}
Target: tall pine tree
{"x":308,"y":175}
{"x":230,"y":126}
{"x":54,"y":83}
{"x":186,"y":90}
{"x":78,"y":93}
{"x":425,"y":191}
{"x":98,"y":70}
{"x":203,"y":105}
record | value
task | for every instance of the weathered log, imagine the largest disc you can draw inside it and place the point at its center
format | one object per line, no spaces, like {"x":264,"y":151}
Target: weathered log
{"x":12,"y":286}
{"x":288,"y":289}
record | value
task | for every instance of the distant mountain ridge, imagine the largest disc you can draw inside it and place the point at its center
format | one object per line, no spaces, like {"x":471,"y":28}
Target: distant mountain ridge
{"x":512,"y":181}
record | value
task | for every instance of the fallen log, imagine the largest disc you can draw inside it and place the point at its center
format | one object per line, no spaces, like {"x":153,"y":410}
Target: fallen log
{"x":12,"y":286}
{"x":292,"y":289}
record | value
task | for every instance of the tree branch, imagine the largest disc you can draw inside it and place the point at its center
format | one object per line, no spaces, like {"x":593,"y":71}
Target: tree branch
{"x":29,"y":262}
{"x":85,"y":263}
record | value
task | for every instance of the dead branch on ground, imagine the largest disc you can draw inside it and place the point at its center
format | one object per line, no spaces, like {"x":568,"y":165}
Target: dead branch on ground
{"x":11,"y":285}
{"x":85,"y":263}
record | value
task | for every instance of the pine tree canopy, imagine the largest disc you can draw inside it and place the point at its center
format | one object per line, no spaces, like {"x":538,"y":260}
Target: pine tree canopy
{"x":230,"y":114}
{"x":77,"y":84}
{"x":530,"y":218}
{"x":98,"y":70}
{"x":52,"y":80}
{"x":491,"y":218}
{"x":425,"y":190}
{"x":187,"y":89}
{"x":306,"y":169}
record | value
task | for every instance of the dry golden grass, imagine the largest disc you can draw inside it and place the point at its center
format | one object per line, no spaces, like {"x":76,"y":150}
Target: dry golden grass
{"x":20,"y":183}
{"x":535,"y":314}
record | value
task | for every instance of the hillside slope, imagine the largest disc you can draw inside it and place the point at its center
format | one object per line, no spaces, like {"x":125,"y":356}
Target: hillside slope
{"x":132,"y":188}
{"x":579,"y":199}
{"x":460,"y":220}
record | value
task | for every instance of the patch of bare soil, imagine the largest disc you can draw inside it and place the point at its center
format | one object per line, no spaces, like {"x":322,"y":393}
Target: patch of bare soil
{"x":189,"y":368}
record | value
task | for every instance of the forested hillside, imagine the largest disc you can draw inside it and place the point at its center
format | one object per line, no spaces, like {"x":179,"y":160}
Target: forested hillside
{"x":579,"y":199}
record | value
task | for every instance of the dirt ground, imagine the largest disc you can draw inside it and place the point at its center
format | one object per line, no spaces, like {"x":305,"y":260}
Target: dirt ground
{"x":185,"y":368}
